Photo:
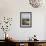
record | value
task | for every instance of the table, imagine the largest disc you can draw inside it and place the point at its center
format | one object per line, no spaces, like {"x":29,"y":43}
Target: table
{"x":27,"y":43}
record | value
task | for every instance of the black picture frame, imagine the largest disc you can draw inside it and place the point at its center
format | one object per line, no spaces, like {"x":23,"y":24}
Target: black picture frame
{"x":25,"y":19}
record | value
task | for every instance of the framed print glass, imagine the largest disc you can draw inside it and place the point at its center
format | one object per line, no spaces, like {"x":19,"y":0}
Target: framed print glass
{"x":25,"y":19}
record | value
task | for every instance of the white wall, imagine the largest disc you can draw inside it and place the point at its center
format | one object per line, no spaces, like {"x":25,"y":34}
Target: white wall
{"x":12,"y":8}
{"x":45,"y":27}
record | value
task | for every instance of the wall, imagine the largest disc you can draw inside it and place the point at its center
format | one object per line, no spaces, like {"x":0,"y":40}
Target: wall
{"x":45,"y":28}
{"x":12,"y":8}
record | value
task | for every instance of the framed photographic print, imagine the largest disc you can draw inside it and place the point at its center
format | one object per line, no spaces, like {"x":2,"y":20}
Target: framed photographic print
{"x":25,"y":19}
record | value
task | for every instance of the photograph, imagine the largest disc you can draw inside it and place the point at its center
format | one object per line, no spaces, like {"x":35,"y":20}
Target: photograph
{"x":25,"y":19}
